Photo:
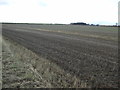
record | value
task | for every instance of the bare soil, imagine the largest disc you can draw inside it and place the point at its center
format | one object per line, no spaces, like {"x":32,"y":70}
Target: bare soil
{"x":23,"y":68}
{"x":91,"y":55}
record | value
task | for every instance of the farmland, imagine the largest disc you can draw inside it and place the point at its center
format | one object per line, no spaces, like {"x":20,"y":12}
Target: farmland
{"x":88,"y":53}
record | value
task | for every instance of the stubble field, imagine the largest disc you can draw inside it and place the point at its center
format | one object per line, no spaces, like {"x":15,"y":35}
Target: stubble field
{"x":89,"y":53}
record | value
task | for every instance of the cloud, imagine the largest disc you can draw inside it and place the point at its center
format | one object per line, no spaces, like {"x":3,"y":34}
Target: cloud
{"x":42,"y":3}
{"x":59,"y":11}
{"x":3,"y":2}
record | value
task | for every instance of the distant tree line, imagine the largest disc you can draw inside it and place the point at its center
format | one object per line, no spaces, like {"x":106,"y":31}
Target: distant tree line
{"x":79,"y":23}
{"x":33,"y":23}
{"x":82,"y":23}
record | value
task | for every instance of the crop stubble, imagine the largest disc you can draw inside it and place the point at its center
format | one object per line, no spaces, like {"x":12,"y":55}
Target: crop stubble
{"x":86,"y":56}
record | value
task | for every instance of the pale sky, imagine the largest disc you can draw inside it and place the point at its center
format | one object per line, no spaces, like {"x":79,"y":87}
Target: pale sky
{"x":59,"y":11}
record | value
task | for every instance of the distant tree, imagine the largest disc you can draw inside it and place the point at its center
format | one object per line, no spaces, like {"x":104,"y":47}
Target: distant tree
{"x":79,"y":23}
{"x":92,"y":24}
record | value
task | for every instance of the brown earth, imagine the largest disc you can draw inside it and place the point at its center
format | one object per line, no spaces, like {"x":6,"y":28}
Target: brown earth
{"x":89,"y":57}
{"x":23,"y":68}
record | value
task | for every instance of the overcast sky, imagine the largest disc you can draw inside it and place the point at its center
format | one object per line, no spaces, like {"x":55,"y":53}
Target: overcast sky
{"x":59,"y":11}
